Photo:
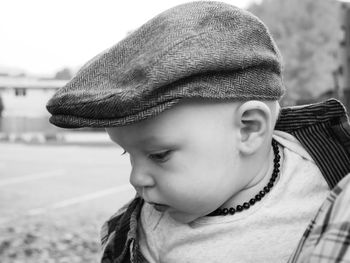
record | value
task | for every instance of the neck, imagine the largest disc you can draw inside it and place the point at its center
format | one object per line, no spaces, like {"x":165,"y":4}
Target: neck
{"x":261,"y":176}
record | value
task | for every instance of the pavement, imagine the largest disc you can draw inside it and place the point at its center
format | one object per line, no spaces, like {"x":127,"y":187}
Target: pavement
{"x":63,"y":138}
{"x":37,"y":179}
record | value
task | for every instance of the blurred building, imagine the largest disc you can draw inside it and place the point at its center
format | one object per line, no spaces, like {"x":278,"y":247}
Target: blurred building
{"x":27,"y":97}
{"x":24,"y":104}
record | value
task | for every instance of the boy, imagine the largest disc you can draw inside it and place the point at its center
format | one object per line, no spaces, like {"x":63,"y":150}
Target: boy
{"x":192,"y":97}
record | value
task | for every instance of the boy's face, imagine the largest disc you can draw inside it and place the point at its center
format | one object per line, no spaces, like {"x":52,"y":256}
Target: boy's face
{"x":185,"y":160}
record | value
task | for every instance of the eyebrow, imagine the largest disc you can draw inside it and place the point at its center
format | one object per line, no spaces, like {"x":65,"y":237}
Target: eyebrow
{"x":156,"y":141}
{"x":150,"y":139}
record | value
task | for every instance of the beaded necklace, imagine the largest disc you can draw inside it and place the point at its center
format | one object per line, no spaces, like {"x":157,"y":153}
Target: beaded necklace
{"x":258,"y":196}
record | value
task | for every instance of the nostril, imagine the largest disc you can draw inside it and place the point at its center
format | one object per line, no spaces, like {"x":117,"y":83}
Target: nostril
{"x":139,"y":178}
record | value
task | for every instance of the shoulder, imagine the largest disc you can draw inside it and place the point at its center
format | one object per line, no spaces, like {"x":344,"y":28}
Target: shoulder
{"x":118,"y":232}
{"x":327,"y":235}
{"x":323,"y":130}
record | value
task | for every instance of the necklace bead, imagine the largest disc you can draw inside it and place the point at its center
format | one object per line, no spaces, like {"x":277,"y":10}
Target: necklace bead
{"x":239,"y":208}
{"x":258,"y":197}
{"x":261,"y":194}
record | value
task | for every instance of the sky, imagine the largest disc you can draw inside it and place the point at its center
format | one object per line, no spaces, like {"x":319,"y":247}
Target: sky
{"x":41,"y":37}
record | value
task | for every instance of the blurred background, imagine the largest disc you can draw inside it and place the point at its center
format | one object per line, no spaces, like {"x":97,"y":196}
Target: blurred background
{"x":58,"y":186}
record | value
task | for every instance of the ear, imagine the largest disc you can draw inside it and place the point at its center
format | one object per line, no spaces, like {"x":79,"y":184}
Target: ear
{"x":254,"y":124}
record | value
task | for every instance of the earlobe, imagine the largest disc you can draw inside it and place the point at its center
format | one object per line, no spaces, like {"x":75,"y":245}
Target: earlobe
{"x":255,"y":118}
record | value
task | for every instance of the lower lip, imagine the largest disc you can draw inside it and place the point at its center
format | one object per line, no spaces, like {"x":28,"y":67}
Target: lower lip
{"x":160,"y":208}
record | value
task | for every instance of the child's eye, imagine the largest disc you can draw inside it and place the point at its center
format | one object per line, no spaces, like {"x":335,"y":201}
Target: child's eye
{"x":160,"y":156}
{"x":125,"y":152}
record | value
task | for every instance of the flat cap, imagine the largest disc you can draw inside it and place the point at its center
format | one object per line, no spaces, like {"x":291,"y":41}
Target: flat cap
{"x":209,"y":50}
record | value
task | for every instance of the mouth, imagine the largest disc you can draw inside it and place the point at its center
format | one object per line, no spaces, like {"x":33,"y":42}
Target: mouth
{"x":159,"y":207}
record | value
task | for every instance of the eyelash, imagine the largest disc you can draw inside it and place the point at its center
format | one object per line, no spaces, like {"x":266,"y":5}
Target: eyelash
{"x":161,"y":156}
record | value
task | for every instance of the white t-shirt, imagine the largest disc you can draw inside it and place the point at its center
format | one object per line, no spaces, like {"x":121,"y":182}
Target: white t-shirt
{"x":267,"y":232}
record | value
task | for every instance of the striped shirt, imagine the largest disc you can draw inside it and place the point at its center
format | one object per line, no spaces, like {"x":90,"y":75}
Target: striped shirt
{"x":324,"y":131}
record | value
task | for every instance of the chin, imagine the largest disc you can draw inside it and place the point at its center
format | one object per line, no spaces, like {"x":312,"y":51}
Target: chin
{"x":183,"y":218}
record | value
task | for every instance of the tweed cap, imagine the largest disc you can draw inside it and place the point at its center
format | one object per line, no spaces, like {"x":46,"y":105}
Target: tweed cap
{"x":204,"y":49}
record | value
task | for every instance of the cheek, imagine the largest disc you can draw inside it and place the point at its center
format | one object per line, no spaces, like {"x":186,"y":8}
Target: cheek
{"x":198,"y":176}
{"x":199,"y":188}
{"x":216,"y":162}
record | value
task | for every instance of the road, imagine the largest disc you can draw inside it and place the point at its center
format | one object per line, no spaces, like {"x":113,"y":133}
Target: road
{"x":39,"y":179}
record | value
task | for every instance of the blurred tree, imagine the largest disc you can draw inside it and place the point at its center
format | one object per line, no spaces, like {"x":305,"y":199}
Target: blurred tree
{"x":1,"y":106}
{"x":308,"y":33}
{"x":20,"y":75}
{"x":64,"y":74}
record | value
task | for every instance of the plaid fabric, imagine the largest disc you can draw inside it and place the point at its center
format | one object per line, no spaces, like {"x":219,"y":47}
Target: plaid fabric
{"x":119,"y":235}
{"x":323,"y":130}
{"x":327,"y":239}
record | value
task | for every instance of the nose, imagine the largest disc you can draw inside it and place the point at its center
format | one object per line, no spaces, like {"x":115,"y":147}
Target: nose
{"x":140,"y":177}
